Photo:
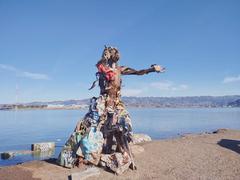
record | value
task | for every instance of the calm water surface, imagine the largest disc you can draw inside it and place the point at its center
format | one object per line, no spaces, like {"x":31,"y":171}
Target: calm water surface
{"x":22,"y":128}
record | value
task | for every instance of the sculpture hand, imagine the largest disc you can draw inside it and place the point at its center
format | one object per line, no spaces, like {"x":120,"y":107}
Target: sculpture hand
{"x":158,"y":68}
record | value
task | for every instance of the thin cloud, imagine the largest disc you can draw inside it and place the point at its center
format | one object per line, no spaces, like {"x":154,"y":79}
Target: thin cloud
{"x":34,"y":76}
{"x":131,"y":92}
{"x":19,"y":73}
{"x":169,"y":86}
{"x":231,"y":79}
{"x":7,"y":67}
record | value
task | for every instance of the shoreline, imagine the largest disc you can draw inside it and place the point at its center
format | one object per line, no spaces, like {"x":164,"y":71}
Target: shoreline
{"x":191,"y":156}
{"x":136,"y":107}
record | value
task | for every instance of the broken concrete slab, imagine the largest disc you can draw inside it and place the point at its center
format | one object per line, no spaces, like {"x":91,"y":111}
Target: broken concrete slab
{"x":44,"y":146}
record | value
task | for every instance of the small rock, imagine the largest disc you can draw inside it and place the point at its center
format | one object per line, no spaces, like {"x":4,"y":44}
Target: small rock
{"x":219,"y":131}
{"x":10,"y":154}
{"x":7,"y":155}
{"x":140,"y":138}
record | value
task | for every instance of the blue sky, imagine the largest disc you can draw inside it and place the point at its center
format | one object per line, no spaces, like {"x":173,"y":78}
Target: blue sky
{"x":48,"y":49}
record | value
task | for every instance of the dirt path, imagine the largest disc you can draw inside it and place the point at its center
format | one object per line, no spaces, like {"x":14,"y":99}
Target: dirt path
{"x":205,"y":156}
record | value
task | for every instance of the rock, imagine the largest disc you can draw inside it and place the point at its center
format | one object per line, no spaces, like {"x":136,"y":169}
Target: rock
{"x":45,"y":149}
{"x":115,"y":162}
{"x":7,"y":155}
{"x":140,"y":138}
{"x":45,"y":146}
{"x":219,"y":131}
{"x":136,"y":149}
{"x":93,"y":171}
{"x":10,"y":154}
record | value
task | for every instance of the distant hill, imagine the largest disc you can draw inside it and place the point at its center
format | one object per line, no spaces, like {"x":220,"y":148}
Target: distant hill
{"x":65,"y":103}
{"x":235,"y":103}
{"x":194,"y":101}
{"x":157,"y":102}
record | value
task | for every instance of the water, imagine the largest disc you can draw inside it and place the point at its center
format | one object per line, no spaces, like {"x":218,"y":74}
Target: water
{"x":22,"y":128}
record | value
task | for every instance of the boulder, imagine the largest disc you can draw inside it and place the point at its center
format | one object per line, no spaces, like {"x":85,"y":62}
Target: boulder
{"x":140,"y":138}
{"x":10,"y":154}
{"x":7,"y":155}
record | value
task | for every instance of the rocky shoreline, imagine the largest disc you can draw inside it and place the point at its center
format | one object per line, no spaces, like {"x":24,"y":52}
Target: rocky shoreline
{"x":194,"y":156}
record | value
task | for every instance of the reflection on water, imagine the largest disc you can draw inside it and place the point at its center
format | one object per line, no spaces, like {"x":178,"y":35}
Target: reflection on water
{"x":22,"y":128}
{"x":43,"y":154}
{"x":34,"y":154}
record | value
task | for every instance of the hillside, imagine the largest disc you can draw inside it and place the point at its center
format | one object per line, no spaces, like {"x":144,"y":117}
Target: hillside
{"x":235,"y":103}
{"x":154,"y":102}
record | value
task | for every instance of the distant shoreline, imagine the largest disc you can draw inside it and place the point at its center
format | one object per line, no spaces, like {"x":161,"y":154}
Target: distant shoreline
{"x":137,"y":107}
{"x":137,"y":102}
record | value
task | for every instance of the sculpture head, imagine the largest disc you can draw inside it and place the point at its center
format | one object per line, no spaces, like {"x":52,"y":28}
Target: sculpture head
{"x":111,"y":54}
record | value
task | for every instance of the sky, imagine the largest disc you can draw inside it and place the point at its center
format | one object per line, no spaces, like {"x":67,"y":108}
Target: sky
{"x":48,"y":49}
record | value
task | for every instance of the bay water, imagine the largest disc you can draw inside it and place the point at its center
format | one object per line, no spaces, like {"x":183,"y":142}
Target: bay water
{"x":19,"y":129}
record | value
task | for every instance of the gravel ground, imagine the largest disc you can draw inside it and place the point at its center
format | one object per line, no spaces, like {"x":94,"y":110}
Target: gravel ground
{"x":202,"y":156}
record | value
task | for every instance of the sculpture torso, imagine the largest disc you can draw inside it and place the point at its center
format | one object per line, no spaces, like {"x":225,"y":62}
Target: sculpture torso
{"x":112,"y":86}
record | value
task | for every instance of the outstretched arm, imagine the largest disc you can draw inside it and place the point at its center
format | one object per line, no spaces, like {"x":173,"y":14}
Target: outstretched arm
{"x":129,"y":71}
